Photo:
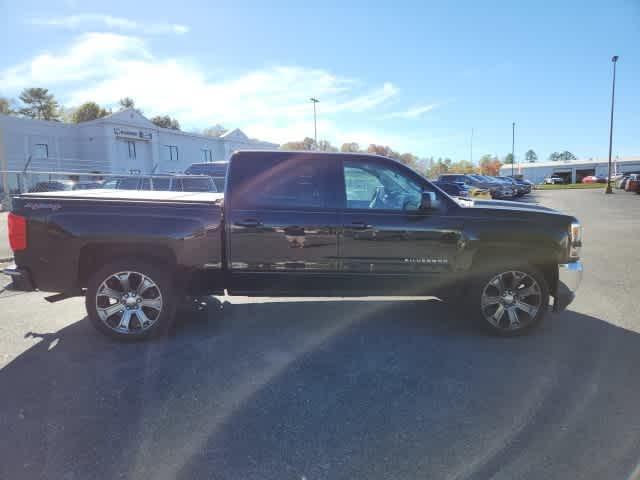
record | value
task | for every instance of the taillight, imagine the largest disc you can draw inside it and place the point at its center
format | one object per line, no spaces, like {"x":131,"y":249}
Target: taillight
{"x":17,"y":232}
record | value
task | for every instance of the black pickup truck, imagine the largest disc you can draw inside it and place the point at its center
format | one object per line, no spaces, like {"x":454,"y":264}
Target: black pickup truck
{"x":295,"y":224}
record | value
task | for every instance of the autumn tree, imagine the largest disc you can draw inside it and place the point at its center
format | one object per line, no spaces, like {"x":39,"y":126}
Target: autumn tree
{"x":306,"y":144}
{"x":165,"y":121}
{"x":39,"y":103}
{"x":5,"y":106}
{"x":325,"y":146}
{"x":350,"y":147}
{"x":88,"y":111}
{"x":490,"y":165}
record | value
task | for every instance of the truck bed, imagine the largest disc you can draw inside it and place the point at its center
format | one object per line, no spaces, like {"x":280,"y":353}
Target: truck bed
{"x":133,"y":195}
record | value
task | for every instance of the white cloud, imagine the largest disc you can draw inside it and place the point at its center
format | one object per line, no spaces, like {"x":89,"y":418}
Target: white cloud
{"x":89,"y":21}
{"x":413,"y":112}
{"x":270,"y":103}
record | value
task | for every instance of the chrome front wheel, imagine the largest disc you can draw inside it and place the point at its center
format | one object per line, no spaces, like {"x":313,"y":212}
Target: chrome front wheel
{"x":513,"y":301}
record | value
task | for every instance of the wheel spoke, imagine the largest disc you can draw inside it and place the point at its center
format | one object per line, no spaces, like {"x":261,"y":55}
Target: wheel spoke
{"x":109,"y":292}
{"x":124,"y":281}
{"x":497,"y":316}
{"x":153,"y":303}
{"x":527,"y":308}
{"x":514,"y":321}
{"x":124,"y":320}
{"x":145,"y":285}
{"x":498,"y":283}
{"x":110,"y":310}
{"x":488,"y":301}
{"x":143,"y":319}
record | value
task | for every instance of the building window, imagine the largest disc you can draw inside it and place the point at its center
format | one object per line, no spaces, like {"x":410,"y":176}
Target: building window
{"x":206,"y":155}
{"x":132,"y":150}
{"x":40,"y":150}
{"x":172,"y":152}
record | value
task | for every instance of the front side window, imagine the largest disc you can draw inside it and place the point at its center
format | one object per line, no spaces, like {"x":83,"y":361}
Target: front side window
{"x":379,"y":187}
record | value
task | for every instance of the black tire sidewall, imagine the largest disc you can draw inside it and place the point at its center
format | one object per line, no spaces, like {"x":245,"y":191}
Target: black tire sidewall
{"x":482,"y":277}
{"x":160,"y":275}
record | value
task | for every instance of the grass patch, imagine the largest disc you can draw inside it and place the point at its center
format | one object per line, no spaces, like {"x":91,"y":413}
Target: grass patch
{"x":571,"y":186}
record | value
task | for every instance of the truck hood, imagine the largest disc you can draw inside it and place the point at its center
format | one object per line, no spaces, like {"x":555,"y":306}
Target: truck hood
{"x":505,"y":205}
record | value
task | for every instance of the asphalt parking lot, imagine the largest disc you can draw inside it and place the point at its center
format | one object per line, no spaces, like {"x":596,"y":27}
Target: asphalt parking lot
{"x":293,"y":389}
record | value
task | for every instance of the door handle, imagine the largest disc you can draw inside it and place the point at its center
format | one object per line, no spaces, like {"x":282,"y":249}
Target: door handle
{"x":249,"y":222}
{"x":360,"y":226}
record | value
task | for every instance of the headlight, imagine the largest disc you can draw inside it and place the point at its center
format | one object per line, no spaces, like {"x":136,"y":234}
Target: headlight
{"x":575,"y":240}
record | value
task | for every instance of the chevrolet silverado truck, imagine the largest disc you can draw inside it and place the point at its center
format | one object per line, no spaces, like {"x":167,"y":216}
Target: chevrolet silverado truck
{"x":295,"y":224}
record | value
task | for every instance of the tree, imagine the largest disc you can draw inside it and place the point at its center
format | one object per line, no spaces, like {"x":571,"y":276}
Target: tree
{"x":88,"y":111}
{"x":5,"y":107}
{"x":351,"y":147}
{"x":566,"y":156}
{"x":383,"y":150}
{"x":508,"y":159}
{"x":306,"y":144}
{"x":463,"y":166}
{"x":530,"y":156}
{"x":216,"y":131}
{"x":554,"y":157}
{"x":165,"y":121}
{"x":126,"y":102}
{"x":409,"y":159}
{"x":490,"y":165}
{"x":39,"y":103}
{"x":325,"y":146}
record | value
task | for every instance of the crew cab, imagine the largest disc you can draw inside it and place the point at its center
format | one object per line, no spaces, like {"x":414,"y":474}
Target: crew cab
{"x":295,"y":224}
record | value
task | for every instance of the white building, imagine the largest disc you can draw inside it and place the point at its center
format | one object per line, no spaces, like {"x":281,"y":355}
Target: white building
{"x":123,"y":142}
{"x":573,"y":170}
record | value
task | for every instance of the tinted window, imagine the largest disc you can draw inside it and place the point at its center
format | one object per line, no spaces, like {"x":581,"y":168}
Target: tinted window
{"x":198,"y":185}
{"x":161,"y":184}
{"x":279,"y":181}
{"x":380,"y":187}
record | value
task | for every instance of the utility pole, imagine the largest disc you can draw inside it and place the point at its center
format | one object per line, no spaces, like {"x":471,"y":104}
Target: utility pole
{"x":614,"y":60}
{"x":513,"y":144}
{"x":315,"y":128}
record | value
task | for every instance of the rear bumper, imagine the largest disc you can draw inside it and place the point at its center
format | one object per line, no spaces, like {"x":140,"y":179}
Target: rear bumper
{"x":569,"y":279}
{"x":21,"y":277}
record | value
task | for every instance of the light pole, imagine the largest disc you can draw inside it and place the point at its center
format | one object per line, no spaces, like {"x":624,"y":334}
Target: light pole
{"x":471,"y":148}
{"x":315,"y":128}
{"x":614,"y":60}
{"x":513,"y":144}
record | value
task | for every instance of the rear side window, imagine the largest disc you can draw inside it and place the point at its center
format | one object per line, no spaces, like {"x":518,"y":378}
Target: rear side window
{"x":279,"y":182}
{"x":198,"y":185}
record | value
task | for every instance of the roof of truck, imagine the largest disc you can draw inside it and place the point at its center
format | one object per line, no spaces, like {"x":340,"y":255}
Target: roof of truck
{"x":136,"y":195}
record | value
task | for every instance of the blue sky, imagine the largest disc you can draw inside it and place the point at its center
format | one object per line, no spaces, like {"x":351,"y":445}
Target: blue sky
{"x":415,"y":75}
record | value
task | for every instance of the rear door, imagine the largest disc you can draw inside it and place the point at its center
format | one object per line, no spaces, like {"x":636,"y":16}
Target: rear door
{"x":282,"y":224}
{"x":389,"y":245}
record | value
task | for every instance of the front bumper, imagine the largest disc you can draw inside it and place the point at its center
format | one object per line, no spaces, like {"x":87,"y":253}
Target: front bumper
{"x":569,"y":278}
{"x":20,"y":277}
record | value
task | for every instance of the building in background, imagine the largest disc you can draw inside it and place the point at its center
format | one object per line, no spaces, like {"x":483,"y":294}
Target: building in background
{"x":121,"y":143}
{"x":572,"y":171}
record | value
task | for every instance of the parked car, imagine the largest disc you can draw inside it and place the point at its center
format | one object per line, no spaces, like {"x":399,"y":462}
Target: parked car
{"x":216,"y":170}
{"x":53,"y":186}
{"x":495,"y":189}
{"x":594,"y":179}
{"x":519,"y":188}
{"x":633,"y":183}
{"x":498,"y":188}
{"x":456,"y":189}
{"x":553,"y":180}
{"x":174,"y":183}
{"x":295,"y":224}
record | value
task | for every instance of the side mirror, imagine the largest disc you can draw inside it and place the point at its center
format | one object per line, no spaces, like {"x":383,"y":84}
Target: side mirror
{"x":428,"y":200}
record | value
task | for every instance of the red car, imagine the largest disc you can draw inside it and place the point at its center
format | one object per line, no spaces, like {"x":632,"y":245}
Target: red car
{"x":633,"y":184}
{"x":594,"y":179}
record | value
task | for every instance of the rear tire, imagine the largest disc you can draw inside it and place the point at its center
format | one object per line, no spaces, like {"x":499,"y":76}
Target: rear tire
{"x":131,"y":299}
{"x":508,"y":300}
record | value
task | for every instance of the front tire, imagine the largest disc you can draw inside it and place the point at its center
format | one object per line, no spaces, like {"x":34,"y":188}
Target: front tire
{"x":509,"y":301}
{"x":131,"y":299}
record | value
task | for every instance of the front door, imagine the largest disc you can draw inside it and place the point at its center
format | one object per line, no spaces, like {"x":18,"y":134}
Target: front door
{"x":282,"y":225}
{"x":389,"y":245}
